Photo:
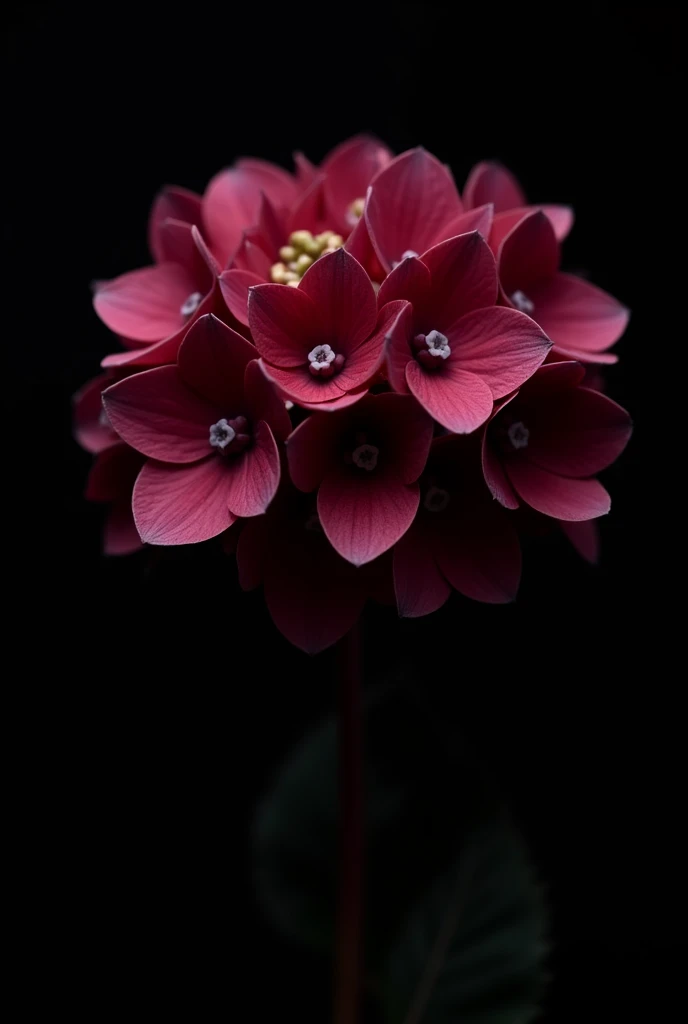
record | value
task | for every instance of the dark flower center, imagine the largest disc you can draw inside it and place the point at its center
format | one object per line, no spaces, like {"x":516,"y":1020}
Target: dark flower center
{"x":230,"y":437}
{"x":363,"y":455}
{"x":436,"y":499}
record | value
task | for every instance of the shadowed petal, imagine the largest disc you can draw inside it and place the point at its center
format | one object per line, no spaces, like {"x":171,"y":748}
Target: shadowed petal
{"x":419,"y":585}
{"x":145,"y":305}
{"x":253,"y":476}
{"x":557,"y":496}
{"x":459,"y":400}
{"x":212,"y":362}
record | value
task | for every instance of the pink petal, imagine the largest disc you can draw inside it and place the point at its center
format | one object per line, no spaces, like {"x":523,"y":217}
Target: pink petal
{"x":212,"y":362}
{"x":489,"y":182}
{"x":364,"y":514}
{"x":344,"y":298}
{"x":299,"y":386}
{"x":253,"y":476}
{"x":479,"y":553}
{"x":409,"y":280}
{"x":113,"y":474}
{"x":397,"y":347}
{"x":495,"y":477}
{"x":359,"y":245}
{"x":348,"y":171}
{"x":92,"y":429}
{"x":560,"y":217}
{"x":183,"y":244}
{"x":172,"y":203}
{"x":464,"y":278}
{"x":156,"y":413}
{"x":350,"y":398}
{"x":528,"y":255}
{"x":145,"y":305}
{"x":557,"y":496}
{"x":419,"y":585}
{"x":284,"y":324}
{"x":411,"y":201}
{"x":501,"y":346}
{"x":364,"y":363}
{"x":585,"y":537}
{"x":234,"y":285}
{"x":479,"y":219}
{"x":308,"y":212}
{"x":577,"y":432}
{"x":251,"y":256}
{"x":277,"y":184}
{"x":120,"y":536}
{"x":459,"y":400}
{"x":263,"y":402}
{"x":577,"y":315}
{"x":182,"y":504}
{"x":306,"y":172}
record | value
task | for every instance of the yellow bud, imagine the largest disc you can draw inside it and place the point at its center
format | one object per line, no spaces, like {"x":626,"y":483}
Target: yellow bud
{"x":312,"y":247}
{"x":324,"y":237}
{"x":357,"y":207}
{"x":303,"y":263}
{"x":300,"y":239}
{"x":294,"y":266}
{"x":326,"y":252}
{"x":277,"y":272}
{"x":288,"y":253}
{"x":336,"y":242}
{"x":293,"y":284}
{"x":290,"y":276}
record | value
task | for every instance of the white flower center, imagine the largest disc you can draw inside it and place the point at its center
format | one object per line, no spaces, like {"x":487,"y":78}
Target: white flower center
{"x":104,"y":419}
{"x":438,"y":344}
{"x":191,"y":304}
{"x":522,"y":302}
{"x":406,"y":255}
{"x":436,"y":499}
{"x":321,"y":357}
{"x":365,"y":456}
{"x":518,"y":434}
{"x":221,"y":434}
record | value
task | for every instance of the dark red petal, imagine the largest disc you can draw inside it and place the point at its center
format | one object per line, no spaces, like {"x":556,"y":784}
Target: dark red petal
{"x":156,"y":413}
{"x":479,"y":219}
{"x":120,"y":536}
{"x":253,"y":476}
{"x":464,"y":278}
{"x":344,"y":299}
{"x":252,"y":552}
{"x":364,"y":514}
{"x":409,"y":280}
{"x":172,"y":203}
{"x":577,"y":315}
{"x":91,"y":432}
{"x":459,"y":400}
{"x":407,"y":432}
{"x":411,"y":201}
{"x":312,"y":449}
{"x":348,"y":170}
{"x":419,"y":585}
{"x":397,"y":344}
{"x":113,"y":474}
{"x":553,"y":377}
{"x":495,"y":477}
{"x":560,"y":217}
{"x":234,"y":285}
{"x":585,"y":537}
{"x":557,"y":496}
{"x":299,"y":386}
{"x":212,"y":362}
{"x":145,"y":305}
{"x":182,"y":504}
{"x":528,"y":255}
{"x":501,"y":346}
{"x":479,"y":553}
{"x":284,"y":324}
{"x":489,"y":182}
{"x":263,"y":402}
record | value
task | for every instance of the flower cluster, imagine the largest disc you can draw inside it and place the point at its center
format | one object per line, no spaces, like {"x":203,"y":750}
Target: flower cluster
{"x":355,"y":376}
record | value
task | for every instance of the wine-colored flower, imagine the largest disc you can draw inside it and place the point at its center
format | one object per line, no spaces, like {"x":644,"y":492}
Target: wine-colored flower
{"x":450,"y":346}
{"x":322,"y":342}
{"x":313,"y":595}
{"x":489,"y":182}
{"x":208,"y":426}
{"x":460,"y":537}
{"x":582,"y":320}
{"x":151,"y":309}
{"x":412,"y":205}
{"x":111,"y":480}
{"x":364,"y":462}
{"x":544,"y":446}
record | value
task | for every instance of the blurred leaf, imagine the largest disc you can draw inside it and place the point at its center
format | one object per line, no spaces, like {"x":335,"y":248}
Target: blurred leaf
{"x":448,"y":882}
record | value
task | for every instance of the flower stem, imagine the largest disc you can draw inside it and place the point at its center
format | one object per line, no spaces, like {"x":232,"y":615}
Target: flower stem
{"x":349,"y":939}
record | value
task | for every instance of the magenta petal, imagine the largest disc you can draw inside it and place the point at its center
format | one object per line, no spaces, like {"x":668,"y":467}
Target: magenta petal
{"x":577,"y":432}
{"x":172,"y":203}
{"x":212,"y":362}
{"x":359,"y":245}
{"x":364,"y":514}
{"x":500,"y":345}
{"x":409,"y":280}
{"x":479,"y":220}
{"x":253,"y":476}
{"x":397,"y":344}
{"x":344,"y":299}
{"x":577,"y":315}
{"x":411,"y":201}
{"x":585,"y":537}
{"x":528,"y":255}
{"x":120,"y":536}
{"x":156,"y":413}
{"x":489,"y":182}
{"x":419,"y":585}
{"x":297,"y":384}
{"x":182,"y":504}
{"x":263,"y":402}
{"x":459,"y":400}
{"x":348,"y":171}
{"x":560,"y":217}
{"x":366,"y":360}
{"x":234,"y":285}
{"x":145,"y":305}
{"x":92,"y":429}
{"x":284,"y":324}
{"x":557,"y":496}
{"x":306,"y":172}
{"x":479,"y":553}
{"x":464,"y":278}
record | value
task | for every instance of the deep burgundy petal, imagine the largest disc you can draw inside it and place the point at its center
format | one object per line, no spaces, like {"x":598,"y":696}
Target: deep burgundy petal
{"x":344,"y":298}
{"x":479,"y":219}
{"x":419,"y":585}
{"x":253,"y":476}
{"x":172,"y":203}
{"x":263,"y":402}
{"x":479,"y":553}
{"x":397,"y":348}
{"x":145,"y":305}
{"x":212,"y":362}
{"x":284,"y":324}
{"x":348,"y":170}
{"x":585,"y":537}
{"x":577,"y":315}
{"x":92,"y":429}
{"x":489,"y":182}
{"x":464,"y":278}
{"x":406,"y":430}
{"x":120,"y":536}
{"x":500,"y":345}
{"x":156,"y":413}
{"x":411,"y":201}
{"x":459,"y":400}
{"x":182,"y":504}
{"x":311,"y":449}
{"x":113,"y":474}
{"x":557,"y":496}
{"x":409,"y":280}
{"x":298,"y":385}
{"x":234,"y":285}
{"x":495,"y":477}
{"x":364,"y":514}
{"x":528,"y":255}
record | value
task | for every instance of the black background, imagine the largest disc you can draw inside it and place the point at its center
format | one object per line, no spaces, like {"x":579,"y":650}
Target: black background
{"x":156,"y":702}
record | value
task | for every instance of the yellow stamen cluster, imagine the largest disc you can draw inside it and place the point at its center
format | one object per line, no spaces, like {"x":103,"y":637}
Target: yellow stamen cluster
{"x":356,"y":209}
{"x":303,"y":250}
